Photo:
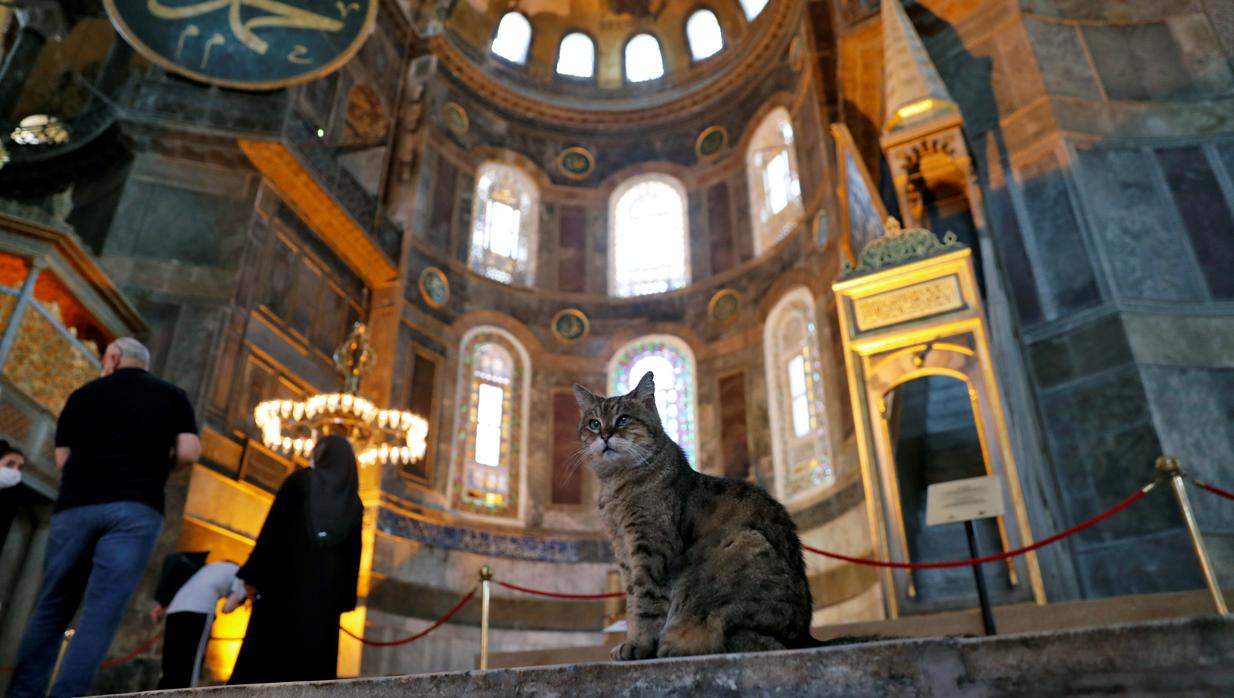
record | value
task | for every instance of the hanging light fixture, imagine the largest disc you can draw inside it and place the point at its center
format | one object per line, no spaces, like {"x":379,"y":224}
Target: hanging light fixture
{"x":378,"y":435}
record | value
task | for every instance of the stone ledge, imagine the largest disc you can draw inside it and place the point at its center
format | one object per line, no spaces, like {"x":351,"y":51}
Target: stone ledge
{"x":1189,"y":656}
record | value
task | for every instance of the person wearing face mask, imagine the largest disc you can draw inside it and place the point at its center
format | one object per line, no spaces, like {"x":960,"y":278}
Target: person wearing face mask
{"x":303,"y":571}
{"x":117,"y":440}
{"x":11,"y":461}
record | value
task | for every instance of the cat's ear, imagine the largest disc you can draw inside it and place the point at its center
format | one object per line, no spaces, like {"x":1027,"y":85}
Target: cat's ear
{"x":645,"y":391}
{"x":585,"y":397}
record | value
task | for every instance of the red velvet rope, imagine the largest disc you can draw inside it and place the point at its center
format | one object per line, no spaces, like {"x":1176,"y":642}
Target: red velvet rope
{"x":441,"y":621}
{"x":1214,"y":489}
{"x":135,"y":653}
{"x":1087,"y":523}
{"x":997,"y":556}
{"x":557,"y":595}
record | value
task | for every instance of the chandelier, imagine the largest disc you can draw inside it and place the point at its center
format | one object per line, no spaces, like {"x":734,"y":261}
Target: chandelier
{"x":384,"y":436}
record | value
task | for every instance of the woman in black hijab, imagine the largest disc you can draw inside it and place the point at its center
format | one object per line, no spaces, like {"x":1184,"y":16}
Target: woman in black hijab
{"x":303,"y":570}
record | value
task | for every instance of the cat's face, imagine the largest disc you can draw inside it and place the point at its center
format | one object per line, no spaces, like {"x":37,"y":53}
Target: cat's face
{"x":618,"y":433}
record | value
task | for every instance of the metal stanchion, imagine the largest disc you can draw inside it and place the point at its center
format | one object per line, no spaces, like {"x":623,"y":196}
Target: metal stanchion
{"x":1169,"y":467}
{"x":64,"y":646}
{"x":486,"y":576}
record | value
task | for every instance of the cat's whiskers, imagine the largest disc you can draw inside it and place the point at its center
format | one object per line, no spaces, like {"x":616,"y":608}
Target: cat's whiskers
{"x":571,"y":464}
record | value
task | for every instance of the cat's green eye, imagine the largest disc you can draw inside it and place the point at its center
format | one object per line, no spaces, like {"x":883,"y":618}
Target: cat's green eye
{"x":594,"y":425}
{"x":622,"y":421}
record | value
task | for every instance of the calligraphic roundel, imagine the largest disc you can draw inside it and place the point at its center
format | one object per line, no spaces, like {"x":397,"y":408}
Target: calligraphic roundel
{"x":245,"y":44}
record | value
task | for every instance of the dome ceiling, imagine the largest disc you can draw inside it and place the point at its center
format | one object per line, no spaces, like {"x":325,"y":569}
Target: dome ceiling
{"x":610,"y":24}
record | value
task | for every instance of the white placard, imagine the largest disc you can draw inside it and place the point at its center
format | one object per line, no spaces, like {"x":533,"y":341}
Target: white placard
{"x":964,"y":500}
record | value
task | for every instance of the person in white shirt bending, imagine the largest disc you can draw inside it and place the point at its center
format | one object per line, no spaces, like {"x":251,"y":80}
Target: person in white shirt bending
{"x":189,"y":618}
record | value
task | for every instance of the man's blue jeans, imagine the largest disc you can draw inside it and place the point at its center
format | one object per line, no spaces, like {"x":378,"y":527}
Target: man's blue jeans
{"x":98,"y":551}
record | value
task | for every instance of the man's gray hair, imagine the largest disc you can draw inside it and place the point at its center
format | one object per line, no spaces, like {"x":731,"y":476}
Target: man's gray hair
{"x":130,"y":348}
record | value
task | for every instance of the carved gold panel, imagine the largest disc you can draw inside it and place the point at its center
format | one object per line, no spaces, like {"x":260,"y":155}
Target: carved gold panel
{"x":910,"y":319}
{"x":44,"y":364}
{"x":909,"y":303}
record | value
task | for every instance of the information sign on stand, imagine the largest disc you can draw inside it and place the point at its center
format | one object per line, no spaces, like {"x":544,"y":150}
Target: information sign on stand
{"x":964,"y":500}
{"x":968,"y":500}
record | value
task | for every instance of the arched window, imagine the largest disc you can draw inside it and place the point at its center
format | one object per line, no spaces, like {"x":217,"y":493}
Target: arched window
{"x":704,"y":34}
{"x":492,"y":399}
{"x":647,"y":237}
{"x":800,"y":445}
{"x":775,"y":191}
{"x":672,"y":363}
{"x":752,"y":8}
{"x":643,"y":59}
{"x":577,"y":56}
{"x":504,"y":224}
{"x":513,"y":38}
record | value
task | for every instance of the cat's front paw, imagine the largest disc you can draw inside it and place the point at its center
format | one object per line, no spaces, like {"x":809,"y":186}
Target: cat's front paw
{"x":628,"y":650}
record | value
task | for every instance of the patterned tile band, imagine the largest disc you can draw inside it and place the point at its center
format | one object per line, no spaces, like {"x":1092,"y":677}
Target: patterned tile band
{"x":493,"y":544}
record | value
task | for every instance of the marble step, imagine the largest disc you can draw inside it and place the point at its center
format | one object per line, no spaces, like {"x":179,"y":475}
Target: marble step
{"x":1193,"y":657}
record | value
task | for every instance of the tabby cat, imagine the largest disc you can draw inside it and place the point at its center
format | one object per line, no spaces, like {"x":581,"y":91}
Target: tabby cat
{"x":708,"y":564}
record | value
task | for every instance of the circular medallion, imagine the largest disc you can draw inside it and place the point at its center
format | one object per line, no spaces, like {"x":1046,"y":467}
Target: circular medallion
{"x":710,"y":142}
{"x":796,"y":53}
{"x":456,"y":119}
{"x":245,"y":44}
{"x":821,"y":227}
{"x":576,"y":162}
{"x":724,"y":306}
{"x":570,"y":325}
{"x":434,"y":287}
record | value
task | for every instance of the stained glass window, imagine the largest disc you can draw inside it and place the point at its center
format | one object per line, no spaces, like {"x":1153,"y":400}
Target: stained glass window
{"x":647,"y":248}
{"x":775,"y":190}
{"x":643,"y":59}
{"x":577,"y":56}
{"x":505,"y":221}
{"x":492,"y":388}
{"x":513,"y":38}
{"x":752,"y":8}
{"x":704,"y":34}
{"x":672,"y":363}
{"x":800,"y":444}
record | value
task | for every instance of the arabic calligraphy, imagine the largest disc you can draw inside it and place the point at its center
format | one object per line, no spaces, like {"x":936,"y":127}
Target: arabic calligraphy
{"x":279,"y":15}
{"x":250,"y":44}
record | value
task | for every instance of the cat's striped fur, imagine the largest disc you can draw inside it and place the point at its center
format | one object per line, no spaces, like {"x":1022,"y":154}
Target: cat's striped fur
{"x":708,"y":564}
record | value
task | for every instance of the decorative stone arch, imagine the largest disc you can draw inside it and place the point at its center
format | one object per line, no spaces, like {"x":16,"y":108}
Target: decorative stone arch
{"x":614,"y":202}
{"x":789,"y":449}
{"x":622,"y":360}
{"x":764,"y":147}
{"x":516,"y":190}
{"x":518,"y":402}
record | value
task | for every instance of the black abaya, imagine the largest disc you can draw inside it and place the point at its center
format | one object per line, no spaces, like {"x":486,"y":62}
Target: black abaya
{"x":303,"y":584}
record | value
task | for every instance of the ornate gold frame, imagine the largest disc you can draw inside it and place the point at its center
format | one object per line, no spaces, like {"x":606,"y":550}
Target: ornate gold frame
{"x":576,"y":313}
{"x":577,"y":176}
{"x":715,"y":300}
{"x":903,"y":322}
{"x":151,"y":55}
{"x":424,"y":292}
{"x":462,"y":112}
{"x":702,"y":136}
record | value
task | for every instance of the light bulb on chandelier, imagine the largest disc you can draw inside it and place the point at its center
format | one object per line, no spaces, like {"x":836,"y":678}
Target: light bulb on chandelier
{"x":378,"y":435}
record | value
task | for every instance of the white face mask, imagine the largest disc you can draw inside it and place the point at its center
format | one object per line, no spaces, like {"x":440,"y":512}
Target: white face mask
{"x":9,"y":477}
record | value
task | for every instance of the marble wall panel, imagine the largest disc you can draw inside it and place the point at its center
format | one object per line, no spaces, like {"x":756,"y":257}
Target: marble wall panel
{"x":1205,"y":211}
{"x":1140,"y":243}
{"x":1061,"y":55}
{"x":1178,"y":58}
{"x":1104,"y":443}
{"x":1061,"y":263}
{"x":1193,"y":409}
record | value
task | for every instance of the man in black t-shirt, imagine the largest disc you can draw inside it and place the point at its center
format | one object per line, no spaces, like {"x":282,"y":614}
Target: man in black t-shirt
{"x":117,"y":440}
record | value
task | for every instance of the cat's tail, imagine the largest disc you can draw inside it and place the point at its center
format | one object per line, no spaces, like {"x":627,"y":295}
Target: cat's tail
{"x":807,"y":641}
